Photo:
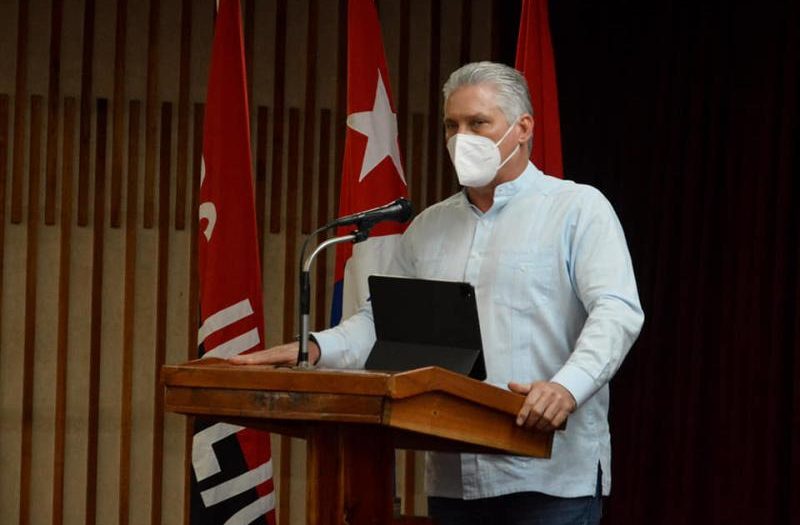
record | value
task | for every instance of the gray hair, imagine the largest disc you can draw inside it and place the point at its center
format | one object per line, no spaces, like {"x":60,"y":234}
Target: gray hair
{"x":511,"y":89}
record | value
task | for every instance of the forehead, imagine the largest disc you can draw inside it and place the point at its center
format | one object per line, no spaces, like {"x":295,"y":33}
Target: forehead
{"x":472,"y":100}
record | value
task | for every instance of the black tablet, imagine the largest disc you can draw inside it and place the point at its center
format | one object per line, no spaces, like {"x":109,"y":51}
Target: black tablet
{"x":421,"y":322}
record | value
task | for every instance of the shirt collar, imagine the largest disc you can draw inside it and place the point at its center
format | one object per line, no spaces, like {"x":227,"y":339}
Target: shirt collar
{"x":504,"y":192}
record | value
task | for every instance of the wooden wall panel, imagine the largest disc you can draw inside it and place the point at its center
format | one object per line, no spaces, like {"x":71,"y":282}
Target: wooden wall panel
{"x":99,"y":168}
{"x":260,"y":172}
{"x":191,"y":306}
{"x":434,"y":142}
{"x":95,"y":347}
{"x":409,"y":482}
{"x":183,"y":115}
{"x":31,"y":278}
{"x":341,"y":100}
{"x":53,"y":102}
{"x":3,"y":179}
{"x":162,"y":282}
{"x":129,"y":300}
{"x":293,"y":190}
{"x":279,"y":90}
{"x":62,"y":345}
{"x":415,"y":165}
{"x":84,"y":135}
{"x":194,"y":292}
{"x":21,"y":91}
{"x":402,"y":97}
{"x":310,"y":109}
{"x":151,"y":114}
{"x":289,"y":293}
{"x":322,"y":304}
{"x":118,"y":112}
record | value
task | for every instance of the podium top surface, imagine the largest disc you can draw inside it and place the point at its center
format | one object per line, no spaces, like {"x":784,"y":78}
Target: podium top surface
{"x":427,"y":408}
{"x":216,"y":373}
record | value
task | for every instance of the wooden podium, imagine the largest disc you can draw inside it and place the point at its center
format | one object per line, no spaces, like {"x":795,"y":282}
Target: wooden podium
{"x":353,"y":420}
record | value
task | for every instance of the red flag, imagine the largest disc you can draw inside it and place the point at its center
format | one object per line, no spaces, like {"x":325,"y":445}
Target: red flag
{"x":372,"y":172}
{"x":232,"y":466}
{"x":535,"y":61}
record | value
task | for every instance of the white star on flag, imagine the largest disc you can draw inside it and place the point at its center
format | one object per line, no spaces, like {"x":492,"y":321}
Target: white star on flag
{"x":380,"y":128}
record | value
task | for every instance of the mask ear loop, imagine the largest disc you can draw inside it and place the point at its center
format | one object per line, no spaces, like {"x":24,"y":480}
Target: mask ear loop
{"x":497,"y":144}
{"x":509,"y":157}
{"x":510,"y":127}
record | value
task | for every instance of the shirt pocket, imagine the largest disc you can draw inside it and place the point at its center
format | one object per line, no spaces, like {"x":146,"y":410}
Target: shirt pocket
{"x":525,"y":280}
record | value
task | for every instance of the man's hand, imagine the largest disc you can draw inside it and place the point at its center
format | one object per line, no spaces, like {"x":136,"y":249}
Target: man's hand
{"x":546,"y":405}
{"x":277,"y":355}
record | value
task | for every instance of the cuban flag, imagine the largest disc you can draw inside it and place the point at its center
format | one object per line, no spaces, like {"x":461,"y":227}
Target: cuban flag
{"x":372,"y":171}
{"x":231,"y":465}
{"x":535,"y":61}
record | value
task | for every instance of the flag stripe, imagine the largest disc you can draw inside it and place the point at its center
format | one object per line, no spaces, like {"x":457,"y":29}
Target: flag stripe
{"x":223,"y":318}
{"x":237,"y":345}
{"x":234,"y":487}
{"x":204,"y":460}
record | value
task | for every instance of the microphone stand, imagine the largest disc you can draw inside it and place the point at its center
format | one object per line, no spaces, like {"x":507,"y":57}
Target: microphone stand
{"x":357,"y":236}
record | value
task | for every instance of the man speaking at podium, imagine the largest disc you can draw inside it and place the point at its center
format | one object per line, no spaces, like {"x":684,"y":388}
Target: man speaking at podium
{"x":556,"y":297}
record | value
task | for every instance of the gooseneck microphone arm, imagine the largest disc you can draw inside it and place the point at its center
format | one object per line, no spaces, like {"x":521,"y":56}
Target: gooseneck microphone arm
{"x":305,"y":295}
{"x":398,"y":211}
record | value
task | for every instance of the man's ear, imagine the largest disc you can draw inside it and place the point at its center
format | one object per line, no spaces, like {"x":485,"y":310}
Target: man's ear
{"x":526,"y":123}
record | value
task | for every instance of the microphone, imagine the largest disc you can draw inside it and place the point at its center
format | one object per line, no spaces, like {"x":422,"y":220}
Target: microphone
{"x":398,"y":211}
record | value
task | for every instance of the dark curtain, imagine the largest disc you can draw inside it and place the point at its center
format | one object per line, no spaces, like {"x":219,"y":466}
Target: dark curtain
{"x":685,"y":115}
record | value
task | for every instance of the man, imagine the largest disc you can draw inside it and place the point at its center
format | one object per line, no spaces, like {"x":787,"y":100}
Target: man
{"x":556,"y":298}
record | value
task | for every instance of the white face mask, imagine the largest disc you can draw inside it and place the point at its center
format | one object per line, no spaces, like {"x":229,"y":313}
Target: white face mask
{"x":476,"y":158}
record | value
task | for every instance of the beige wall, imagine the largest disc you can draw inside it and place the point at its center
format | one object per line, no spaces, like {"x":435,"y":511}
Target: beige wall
{"x":88,"y":192}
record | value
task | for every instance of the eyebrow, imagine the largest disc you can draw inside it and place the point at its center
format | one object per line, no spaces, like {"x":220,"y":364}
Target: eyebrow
{"x":479,"y":115}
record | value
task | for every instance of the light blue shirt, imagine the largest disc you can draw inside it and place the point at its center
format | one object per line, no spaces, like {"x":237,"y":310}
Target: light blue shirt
{"x":557,"y":301}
